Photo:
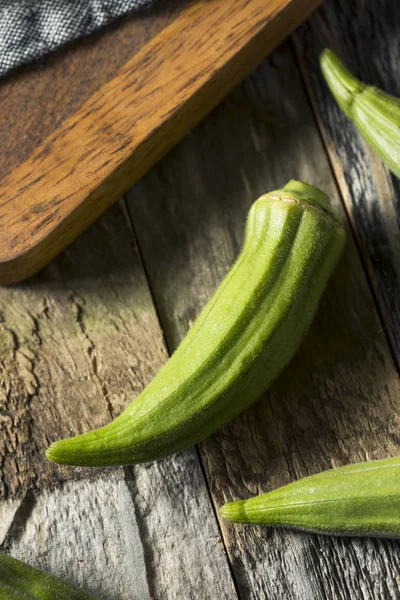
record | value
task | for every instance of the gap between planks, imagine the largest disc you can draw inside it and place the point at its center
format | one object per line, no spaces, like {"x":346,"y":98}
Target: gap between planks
{"x":369,"y":191}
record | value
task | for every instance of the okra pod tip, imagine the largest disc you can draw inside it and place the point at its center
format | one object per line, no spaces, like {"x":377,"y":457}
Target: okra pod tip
{"x":359,"y":499}
{"x":375,"y":113}
{"x":20,"y":581}
{"x":343,"y":85}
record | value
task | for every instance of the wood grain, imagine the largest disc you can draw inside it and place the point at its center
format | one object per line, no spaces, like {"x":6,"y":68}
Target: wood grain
{"x":371,"y":48}
{"x":338,"y":402}
{"x":85,"y":532}
{"x":77,"y":344}
{"x":37,"y":98}
{"x":68,"y":306}
{"x":131,"y":121}
{"x":82,"y":338}
{"x":158,"y":543}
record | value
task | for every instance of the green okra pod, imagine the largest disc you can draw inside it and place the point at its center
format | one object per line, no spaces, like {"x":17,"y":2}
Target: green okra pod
{"x":360,"y":499}
{"x":19,"y":581}
{"x":241,"y":341}
{"x":375,"y":113}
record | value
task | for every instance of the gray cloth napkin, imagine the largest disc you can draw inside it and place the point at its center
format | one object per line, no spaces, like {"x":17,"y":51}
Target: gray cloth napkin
{"x":30,"y":29}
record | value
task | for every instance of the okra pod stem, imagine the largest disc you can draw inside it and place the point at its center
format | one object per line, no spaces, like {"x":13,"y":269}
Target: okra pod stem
{"x":360,"y":499}
{"x":375,"y":113}
{"x":244,"y":337}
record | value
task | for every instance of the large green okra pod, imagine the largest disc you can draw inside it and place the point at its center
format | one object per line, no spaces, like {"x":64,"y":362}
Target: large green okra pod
{"x":242,"y":340}
{"x":19,"y":581}
{"x":375,"y":113}
{"x":361,"y":499}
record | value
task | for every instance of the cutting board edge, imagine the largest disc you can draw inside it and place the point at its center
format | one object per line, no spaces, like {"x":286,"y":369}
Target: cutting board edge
{"x":21,"y":263}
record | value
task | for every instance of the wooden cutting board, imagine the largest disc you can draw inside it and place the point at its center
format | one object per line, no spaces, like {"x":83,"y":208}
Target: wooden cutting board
{"x":81,"y":127}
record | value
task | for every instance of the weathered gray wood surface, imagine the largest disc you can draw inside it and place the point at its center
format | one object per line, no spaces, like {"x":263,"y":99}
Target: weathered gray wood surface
{"x":83,"y":338}
{"x":78,"y":342}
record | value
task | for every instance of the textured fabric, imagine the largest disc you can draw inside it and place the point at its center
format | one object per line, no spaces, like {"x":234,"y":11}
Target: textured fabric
{"x":32,"y":28}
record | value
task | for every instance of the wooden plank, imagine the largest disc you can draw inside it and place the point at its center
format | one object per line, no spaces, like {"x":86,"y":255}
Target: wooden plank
{"x":338,"y":401}
{"x":37,"y":98}
{"x":80,"y":304}
{"x":8,"y":509}
{"x":370,"y":192}
{"x":184,"y":553}
{"x":85,"y":532}
{"x":77,"y":344}
{"x":131,"y":121}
